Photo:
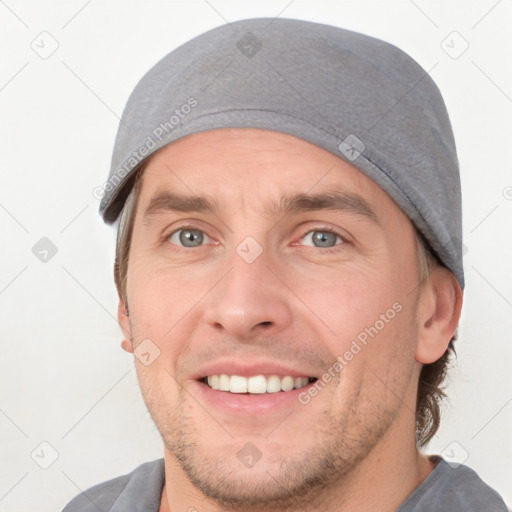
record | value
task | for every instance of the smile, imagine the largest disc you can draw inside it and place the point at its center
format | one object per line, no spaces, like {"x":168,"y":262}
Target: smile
{"x":258,"y":384}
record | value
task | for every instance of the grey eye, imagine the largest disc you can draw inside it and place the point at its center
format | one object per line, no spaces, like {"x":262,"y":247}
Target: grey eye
{"x":321,"y":238}
{"x":188,"y":237}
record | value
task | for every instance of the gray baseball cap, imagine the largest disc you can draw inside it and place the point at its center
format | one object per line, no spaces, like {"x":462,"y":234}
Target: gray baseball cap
{"x":360,"y":98}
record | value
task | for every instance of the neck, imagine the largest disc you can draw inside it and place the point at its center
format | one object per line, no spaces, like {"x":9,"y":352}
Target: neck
{"x":382,"y":481}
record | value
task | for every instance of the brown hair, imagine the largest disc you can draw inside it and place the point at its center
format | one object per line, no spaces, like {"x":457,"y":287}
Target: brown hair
{"x":124,"y":236}
{"x":431,"y":383}
{"x":431,"y":380}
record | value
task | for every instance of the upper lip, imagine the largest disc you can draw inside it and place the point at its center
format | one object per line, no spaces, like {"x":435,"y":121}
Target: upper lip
{"x":250,"y":368}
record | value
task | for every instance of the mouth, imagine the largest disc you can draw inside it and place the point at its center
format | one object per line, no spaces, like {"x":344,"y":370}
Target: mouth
{"x":256,"y":384}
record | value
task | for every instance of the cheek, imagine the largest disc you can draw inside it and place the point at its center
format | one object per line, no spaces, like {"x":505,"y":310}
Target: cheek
{"x":348,"y":300}
{"x":159,"y":297}
{"x":366,"y":317}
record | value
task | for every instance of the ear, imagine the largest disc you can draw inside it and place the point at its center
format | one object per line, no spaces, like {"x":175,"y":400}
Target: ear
{"x":124,"y":322}
{"x":439,"y":310}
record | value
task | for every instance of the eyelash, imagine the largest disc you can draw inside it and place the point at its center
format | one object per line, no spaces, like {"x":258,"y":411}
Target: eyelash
{"x":323,"y":229}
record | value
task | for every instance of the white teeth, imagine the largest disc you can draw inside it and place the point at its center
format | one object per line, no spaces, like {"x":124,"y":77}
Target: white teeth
{"x":257,"y":384}
{"x":273,"y":384}
{"x":223,"y":382}
{"x":213,"y":381}
{"x":287,"y":383}
{"x":237,"y":384}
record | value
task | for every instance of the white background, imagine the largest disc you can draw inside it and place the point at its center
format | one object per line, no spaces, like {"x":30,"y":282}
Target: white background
{"x":64,"y":380}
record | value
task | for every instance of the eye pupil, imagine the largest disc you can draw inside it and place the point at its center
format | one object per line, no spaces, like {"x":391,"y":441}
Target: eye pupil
{"x":324,"y":239}
{"x":191,"y":237}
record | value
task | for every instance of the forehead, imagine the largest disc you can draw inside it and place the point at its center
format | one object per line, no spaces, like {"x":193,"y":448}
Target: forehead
{"x":255,"y":169}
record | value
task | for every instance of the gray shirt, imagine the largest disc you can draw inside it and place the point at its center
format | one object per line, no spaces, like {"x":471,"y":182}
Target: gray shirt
{"x":445,"y":489}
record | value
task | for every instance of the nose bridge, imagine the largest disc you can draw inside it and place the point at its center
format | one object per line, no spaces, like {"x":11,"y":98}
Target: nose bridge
{"x":249,"y":298}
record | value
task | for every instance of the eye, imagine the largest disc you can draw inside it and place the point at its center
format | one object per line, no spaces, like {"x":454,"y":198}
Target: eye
{"x":188,"y":237}
{"x":322,"y":238}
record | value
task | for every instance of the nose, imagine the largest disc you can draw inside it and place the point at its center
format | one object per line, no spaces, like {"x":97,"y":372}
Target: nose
{"x":250,"y":300}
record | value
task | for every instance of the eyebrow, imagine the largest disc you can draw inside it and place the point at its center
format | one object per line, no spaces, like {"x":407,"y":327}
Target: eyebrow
{"x":336,"y":200}
{"x":170,"y":201}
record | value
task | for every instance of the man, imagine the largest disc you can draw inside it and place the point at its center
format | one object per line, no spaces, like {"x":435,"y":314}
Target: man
{"x":289,"y":273}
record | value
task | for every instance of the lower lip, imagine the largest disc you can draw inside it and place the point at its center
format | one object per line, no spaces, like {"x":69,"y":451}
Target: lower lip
{"x":249,"y":404}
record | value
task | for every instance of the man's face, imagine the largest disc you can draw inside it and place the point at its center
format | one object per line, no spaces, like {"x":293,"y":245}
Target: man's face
{"x":254,"y":254}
